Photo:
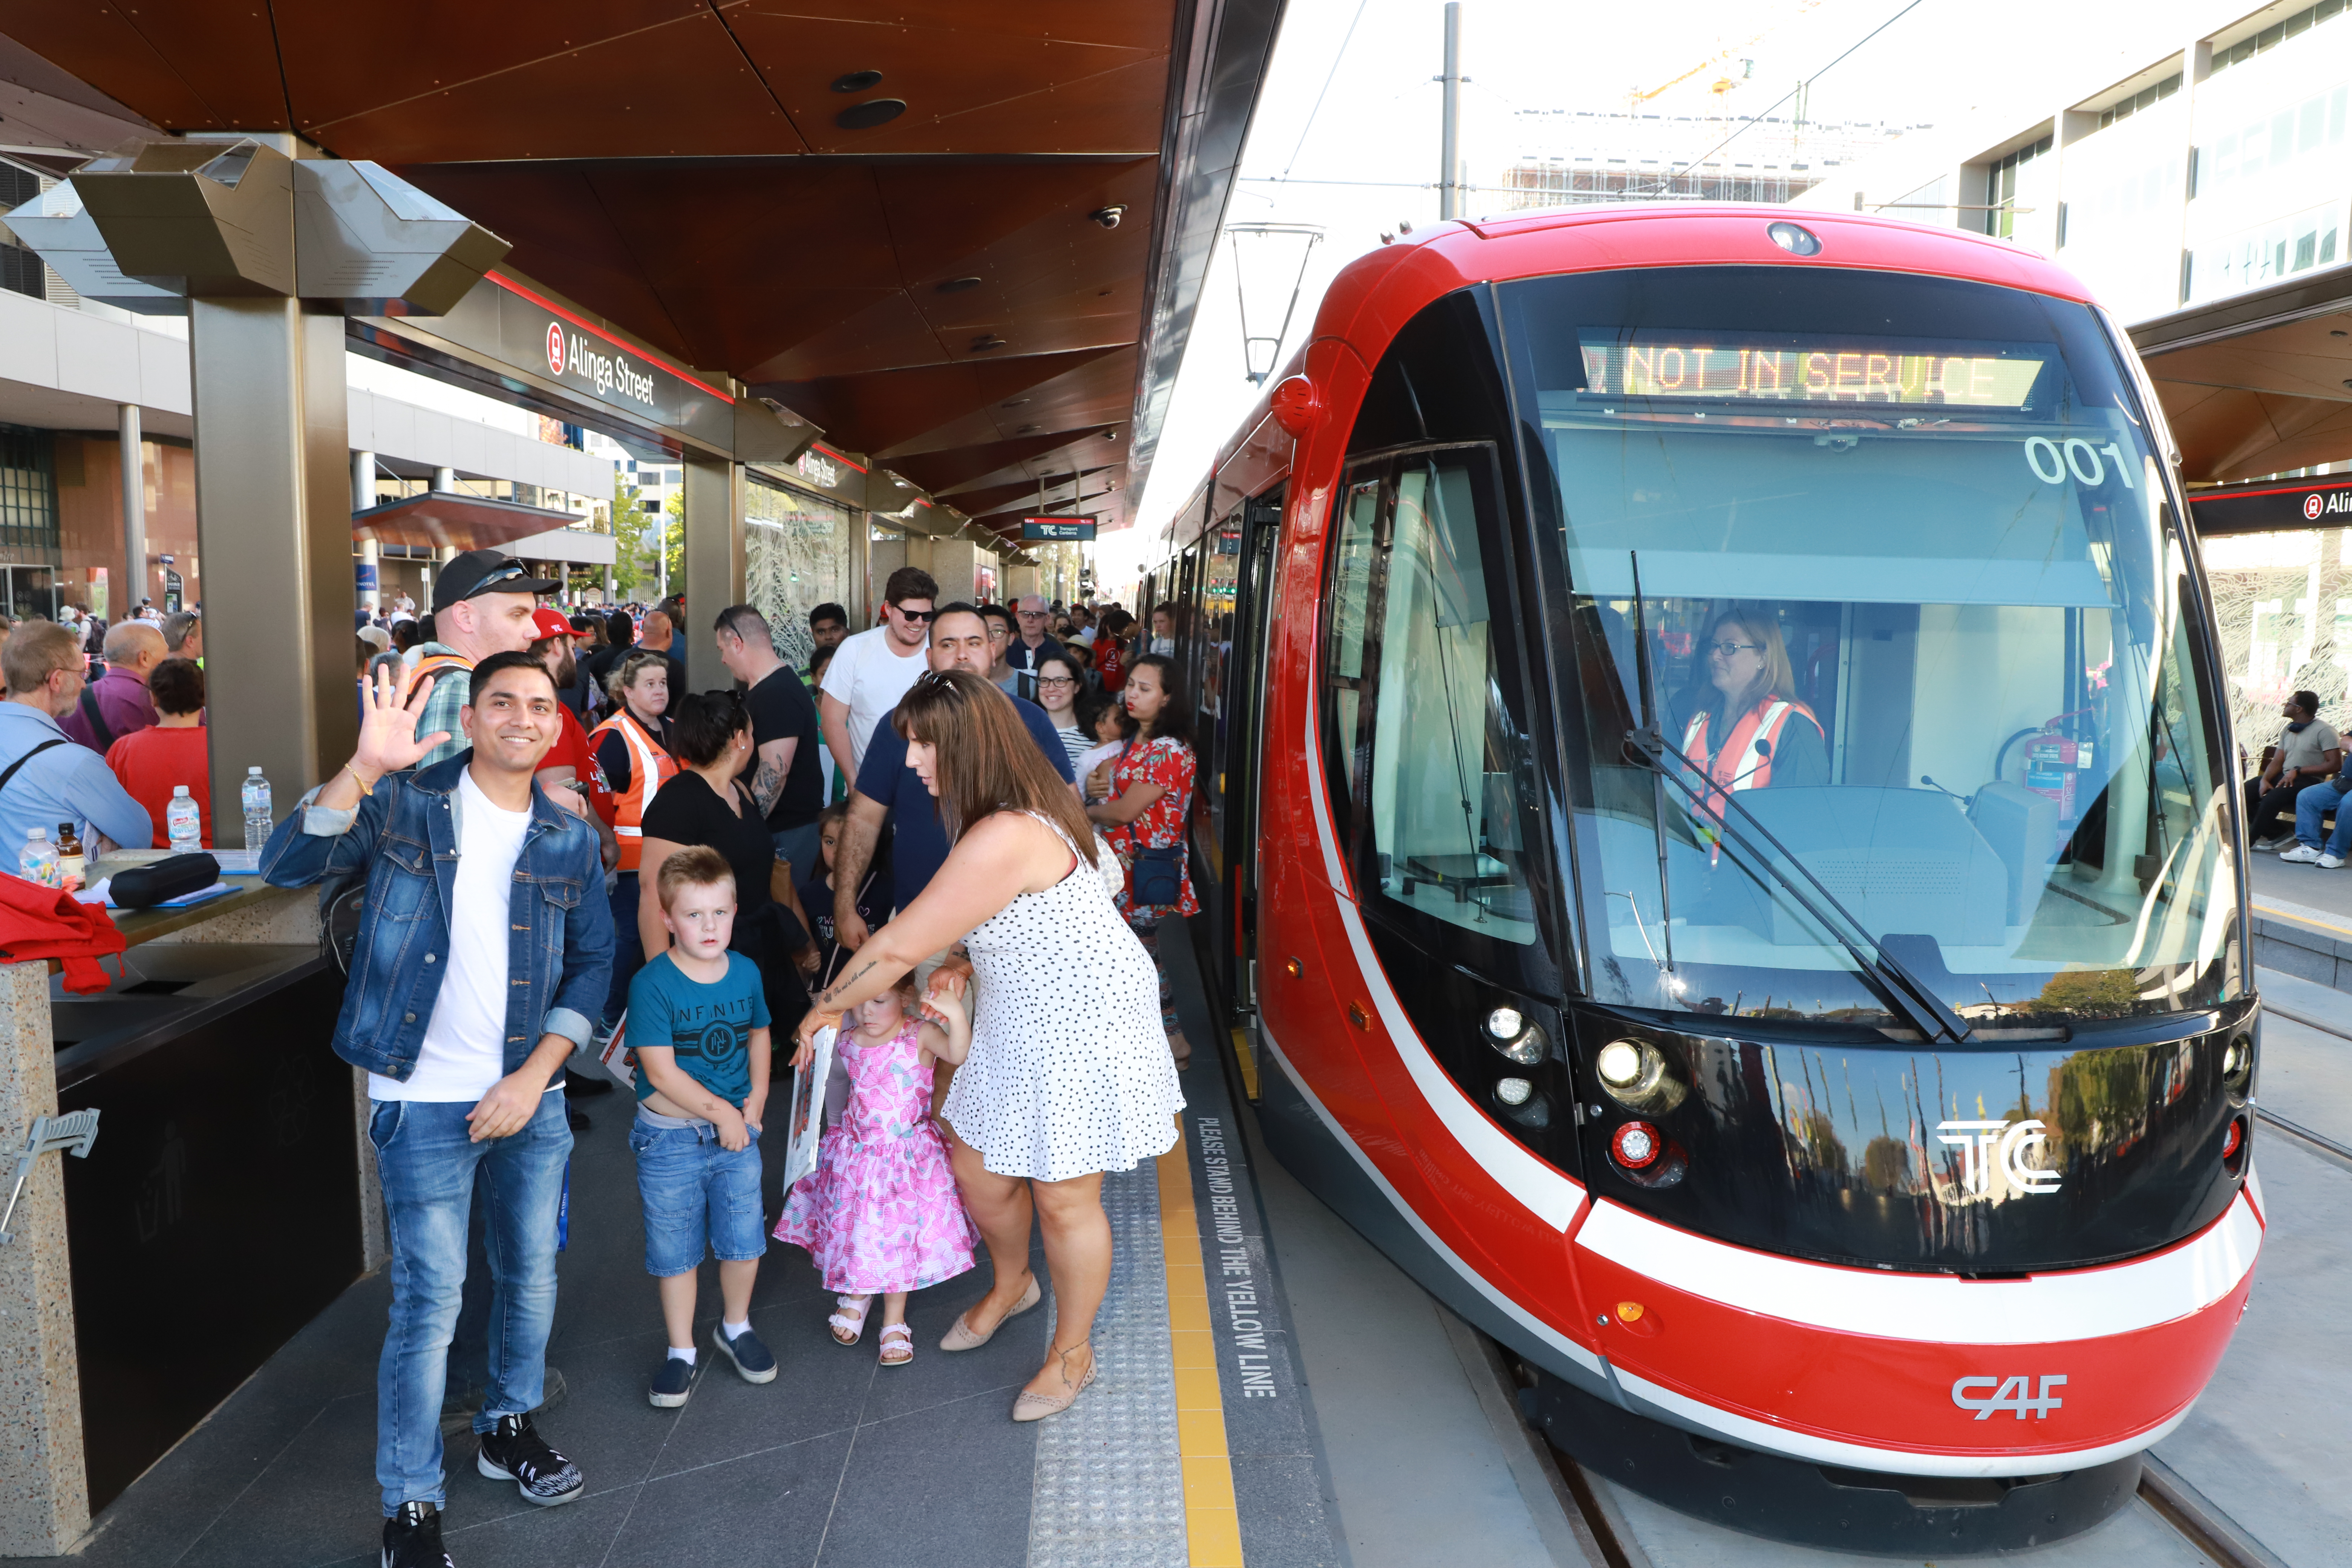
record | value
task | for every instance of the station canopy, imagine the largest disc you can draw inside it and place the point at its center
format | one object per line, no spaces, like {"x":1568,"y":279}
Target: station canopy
{"x":2258,"y":383}
{"x":963,"y":236}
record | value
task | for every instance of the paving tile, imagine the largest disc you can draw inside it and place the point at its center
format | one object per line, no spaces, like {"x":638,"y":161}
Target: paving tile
{"x":820,"y":1387}
{"x":969,"y":1463}
{"x":767,"y":1507}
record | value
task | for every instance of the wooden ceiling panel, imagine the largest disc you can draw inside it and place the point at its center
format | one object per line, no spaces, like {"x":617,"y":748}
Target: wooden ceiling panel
{"x":999,"y":462}
{"x":679,"y":89}
{"x":1099,"y":392}
{"x":2229,"y":433}
{"x":139,"y":60}
{"x":332,"y":81}
{"x":1143,"y":25}
{"x":956,"y":82}
{"x":905,"y":410}
{"x":889,"y":334}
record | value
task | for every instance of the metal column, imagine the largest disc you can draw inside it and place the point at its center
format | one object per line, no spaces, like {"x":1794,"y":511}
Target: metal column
{"x":370,"y":552}
{"x":714,"y":563}
{"x":134,"y":515}
{"x":273,"y":513}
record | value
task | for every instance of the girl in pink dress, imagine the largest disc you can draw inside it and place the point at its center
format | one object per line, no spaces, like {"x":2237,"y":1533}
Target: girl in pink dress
{"x":880,"y":1213}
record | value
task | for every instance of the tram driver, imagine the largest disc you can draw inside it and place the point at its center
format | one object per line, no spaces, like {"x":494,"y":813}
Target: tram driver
{"x":1748,"y":729}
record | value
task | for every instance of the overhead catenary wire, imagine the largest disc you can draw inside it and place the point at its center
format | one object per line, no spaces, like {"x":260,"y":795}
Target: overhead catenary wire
{"x":1328,"y":77}
{"x":1753,"y":120}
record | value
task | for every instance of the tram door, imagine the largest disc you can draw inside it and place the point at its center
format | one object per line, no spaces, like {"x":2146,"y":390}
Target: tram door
{"x":1244,"y":741}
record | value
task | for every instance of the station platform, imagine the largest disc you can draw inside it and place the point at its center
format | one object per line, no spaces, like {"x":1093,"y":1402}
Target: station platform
{"x":2302,"y":921}
{"x":1272,"y":1392}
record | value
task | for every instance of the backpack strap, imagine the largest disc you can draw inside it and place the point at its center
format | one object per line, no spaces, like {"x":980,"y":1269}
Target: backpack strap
{"x":28,"y":757}
{"x":94,"y":719}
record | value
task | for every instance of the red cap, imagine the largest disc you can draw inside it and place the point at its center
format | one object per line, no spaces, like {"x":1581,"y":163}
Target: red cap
{"x":546,"y":623}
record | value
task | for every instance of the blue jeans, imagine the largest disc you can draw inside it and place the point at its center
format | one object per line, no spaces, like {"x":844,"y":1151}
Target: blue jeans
{"x":428,"y":1164}
{"x":696,"y":1194}
{"x":628,"y":948}
{"x":2315,"y":803}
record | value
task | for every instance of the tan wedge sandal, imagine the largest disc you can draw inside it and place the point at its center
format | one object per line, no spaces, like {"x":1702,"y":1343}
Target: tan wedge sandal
{"x":1037,"y":1406}
{"x":962,"y":1336}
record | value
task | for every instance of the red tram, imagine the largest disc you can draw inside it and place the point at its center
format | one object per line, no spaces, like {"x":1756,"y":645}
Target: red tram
{"x":1847,"y":1121}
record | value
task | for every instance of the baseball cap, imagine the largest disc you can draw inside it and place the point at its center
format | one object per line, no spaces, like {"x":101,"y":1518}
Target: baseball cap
{"x":478,"y":572}
{"x":546,"y":623}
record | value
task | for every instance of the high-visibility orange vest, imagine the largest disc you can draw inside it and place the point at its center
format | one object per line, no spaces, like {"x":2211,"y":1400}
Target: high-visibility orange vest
{"x":1744,"y":759}
{"x":650,"y":767}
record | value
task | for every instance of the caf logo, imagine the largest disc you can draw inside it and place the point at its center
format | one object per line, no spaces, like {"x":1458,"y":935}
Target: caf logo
{"x":555,"y":348}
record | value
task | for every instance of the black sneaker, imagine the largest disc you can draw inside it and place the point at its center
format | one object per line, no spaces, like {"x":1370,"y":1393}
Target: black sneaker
{"x":512,"y":1451}
{"x":672,"y":1383}
{"x":412,"y":1538}
{"x":750,"y":1357}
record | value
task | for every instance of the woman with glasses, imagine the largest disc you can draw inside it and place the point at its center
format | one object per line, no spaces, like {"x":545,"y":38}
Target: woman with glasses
{"x":1058,"y":685}
{"x":1748,"y":729}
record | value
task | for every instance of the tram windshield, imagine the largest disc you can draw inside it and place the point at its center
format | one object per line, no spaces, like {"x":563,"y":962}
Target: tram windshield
{"x":1880,"y":570}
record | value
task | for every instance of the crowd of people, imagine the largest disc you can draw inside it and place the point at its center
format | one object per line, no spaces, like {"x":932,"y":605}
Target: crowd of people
{"x":952,"y":838}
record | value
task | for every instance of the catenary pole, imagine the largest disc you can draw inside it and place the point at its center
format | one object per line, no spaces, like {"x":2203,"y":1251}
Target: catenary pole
{"x":1449,"y":177}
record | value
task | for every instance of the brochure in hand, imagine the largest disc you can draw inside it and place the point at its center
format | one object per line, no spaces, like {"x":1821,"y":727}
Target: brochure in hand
{"x":807,"y":1120}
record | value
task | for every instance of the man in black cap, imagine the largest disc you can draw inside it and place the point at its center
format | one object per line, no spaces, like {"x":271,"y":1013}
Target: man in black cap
{"x":482,"y":605}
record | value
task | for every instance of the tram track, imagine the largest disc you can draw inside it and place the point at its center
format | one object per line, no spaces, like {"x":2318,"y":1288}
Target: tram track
{"x":2184,"y":1510}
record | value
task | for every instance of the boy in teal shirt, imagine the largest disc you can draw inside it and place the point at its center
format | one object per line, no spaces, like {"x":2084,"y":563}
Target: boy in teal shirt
{"x":698,"y":1029}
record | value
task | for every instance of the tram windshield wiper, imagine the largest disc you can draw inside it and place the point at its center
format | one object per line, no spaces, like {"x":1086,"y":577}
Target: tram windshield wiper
{"x":1913,"y":997}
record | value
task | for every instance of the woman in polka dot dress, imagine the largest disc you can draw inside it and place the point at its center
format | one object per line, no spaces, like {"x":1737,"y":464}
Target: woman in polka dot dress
{"x":1069,"y":1074}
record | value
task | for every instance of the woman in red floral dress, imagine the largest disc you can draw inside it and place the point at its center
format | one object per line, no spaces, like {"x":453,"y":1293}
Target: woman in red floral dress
{"x":1150,"y":806}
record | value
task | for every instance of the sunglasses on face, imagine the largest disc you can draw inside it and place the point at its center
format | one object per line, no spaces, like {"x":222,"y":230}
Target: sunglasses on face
{"x":917,"y":616}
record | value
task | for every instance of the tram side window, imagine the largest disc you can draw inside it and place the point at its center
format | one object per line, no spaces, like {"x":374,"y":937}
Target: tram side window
{"x":1437,"y":761}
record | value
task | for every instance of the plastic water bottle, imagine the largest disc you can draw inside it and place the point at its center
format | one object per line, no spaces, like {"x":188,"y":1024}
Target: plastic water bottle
{"x":38,"y":861}
{"x":184,"y":824}
{"x":258,"y":820}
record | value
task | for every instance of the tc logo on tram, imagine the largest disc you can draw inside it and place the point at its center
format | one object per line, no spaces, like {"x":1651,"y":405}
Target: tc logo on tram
{"x":2013,"y":1394}
{"x":1987,"y":1145}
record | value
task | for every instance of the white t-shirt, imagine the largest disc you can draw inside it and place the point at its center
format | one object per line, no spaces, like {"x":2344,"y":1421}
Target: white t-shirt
{"x":464,"y":1051}
{"x":867,"y":674}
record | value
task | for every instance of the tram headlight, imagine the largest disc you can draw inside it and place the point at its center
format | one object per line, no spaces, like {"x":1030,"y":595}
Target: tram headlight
{"x":2237,"y":1061}
{"x":1513,"y":1090}
{"x":1520,"y":1039}
{"x":1637,"y":1075}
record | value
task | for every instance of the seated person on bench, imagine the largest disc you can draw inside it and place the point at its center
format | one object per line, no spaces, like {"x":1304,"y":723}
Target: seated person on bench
{"x":2308,"y":752}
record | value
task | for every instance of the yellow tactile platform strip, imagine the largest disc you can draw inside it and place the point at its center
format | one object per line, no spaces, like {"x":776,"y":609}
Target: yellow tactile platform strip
{"x":1212,"y":1520}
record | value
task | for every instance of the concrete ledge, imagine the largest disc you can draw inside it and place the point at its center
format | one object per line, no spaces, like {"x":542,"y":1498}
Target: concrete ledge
{"x":2303,"y":951}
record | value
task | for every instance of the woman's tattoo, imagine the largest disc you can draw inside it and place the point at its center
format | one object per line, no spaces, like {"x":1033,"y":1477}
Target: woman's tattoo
{"x":846,"y":981}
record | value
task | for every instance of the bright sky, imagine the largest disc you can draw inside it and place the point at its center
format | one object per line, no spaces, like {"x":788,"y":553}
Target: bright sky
{"x":1377,"y":126}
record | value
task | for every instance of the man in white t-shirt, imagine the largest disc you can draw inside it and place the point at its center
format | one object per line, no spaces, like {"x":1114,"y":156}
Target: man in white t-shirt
{"x":872,"y":670}
{"x":485,"y":943}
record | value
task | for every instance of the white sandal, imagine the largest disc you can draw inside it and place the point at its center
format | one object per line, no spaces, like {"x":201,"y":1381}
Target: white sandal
{"x":900,"y":1338}
{"x":849,"y":1327}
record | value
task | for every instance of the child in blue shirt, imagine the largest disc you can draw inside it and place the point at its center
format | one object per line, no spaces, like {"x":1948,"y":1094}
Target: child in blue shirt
{"x":698,"y":1030}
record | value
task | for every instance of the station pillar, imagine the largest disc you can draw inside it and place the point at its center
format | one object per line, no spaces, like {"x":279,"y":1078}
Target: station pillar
{"x":714,"y":563}
{"x":135,"y":515}
{"x":273,"y":514}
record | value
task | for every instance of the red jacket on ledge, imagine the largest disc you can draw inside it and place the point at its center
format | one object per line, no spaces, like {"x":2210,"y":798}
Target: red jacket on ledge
{"x":48,"y":923}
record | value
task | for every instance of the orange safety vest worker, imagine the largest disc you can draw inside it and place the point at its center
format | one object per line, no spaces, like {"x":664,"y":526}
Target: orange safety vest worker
{"x":650,"y":767}
{"x":1744,"y":760}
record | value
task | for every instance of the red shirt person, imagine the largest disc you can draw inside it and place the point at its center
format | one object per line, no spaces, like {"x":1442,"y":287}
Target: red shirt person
{"x":174,"y":750}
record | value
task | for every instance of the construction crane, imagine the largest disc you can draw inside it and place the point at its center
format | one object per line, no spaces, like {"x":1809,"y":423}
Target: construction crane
{"x":1726,"y":83}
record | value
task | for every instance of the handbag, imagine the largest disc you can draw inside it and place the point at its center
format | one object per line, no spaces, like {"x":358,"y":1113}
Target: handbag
{"x":1159,"y":879}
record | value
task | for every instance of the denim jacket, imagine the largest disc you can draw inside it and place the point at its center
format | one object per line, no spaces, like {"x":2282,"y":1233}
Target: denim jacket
{"x":405,"y":837}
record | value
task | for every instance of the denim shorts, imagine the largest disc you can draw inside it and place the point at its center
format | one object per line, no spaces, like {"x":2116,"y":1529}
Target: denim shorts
{"x":697,"y":1194}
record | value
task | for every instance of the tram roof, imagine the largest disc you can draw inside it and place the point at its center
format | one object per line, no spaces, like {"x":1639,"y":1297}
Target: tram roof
{"x":931,"y":288}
